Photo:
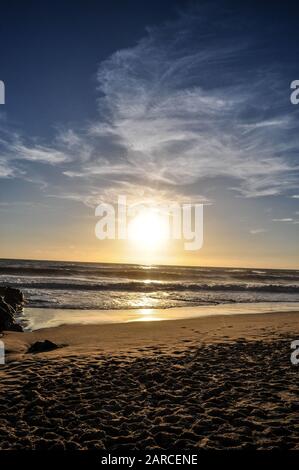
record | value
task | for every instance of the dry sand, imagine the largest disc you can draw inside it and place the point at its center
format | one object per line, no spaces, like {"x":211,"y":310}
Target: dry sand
{"x":216,"y":382}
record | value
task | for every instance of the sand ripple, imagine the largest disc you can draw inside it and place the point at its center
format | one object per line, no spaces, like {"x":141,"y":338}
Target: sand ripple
{"x":240,"y":395}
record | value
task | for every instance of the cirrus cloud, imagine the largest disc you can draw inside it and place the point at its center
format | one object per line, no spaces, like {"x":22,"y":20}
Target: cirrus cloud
{"x":185,"y":105}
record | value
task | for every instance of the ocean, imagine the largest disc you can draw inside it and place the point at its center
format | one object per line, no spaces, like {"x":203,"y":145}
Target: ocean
{"x":96,"y":287}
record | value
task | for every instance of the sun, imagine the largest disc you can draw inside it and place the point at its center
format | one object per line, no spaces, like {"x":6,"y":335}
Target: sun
{"x":148,"y":229}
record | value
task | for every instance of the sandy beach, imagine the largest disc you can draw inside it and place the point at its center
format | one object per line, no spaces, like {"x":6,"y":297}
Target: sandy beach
{"x":149,"y":207}
{"x":218,"y":382}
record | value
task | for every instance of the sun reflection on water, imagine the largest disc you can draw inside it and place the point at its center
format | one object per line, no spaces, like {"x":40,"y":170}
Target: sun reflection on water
{"x":147,"y":314}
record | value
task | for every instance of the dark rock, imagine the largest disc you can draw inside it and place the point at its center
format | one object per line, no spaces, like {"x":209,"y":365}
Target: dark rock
{"x":42,"y":346}
{"x":7,"y":320}
{"x":14,"y":297}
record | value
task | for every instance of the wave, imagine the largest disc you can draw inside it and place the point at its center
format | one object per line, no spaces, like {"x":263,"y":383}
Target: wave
{"x":158,"y":286}
{"x":135,"y":272}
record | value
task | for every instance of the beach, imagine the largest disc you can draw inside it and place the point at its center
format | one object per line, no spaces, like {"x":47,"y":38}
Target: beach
{"x":217,"y":382}
{"x":149,"y":268}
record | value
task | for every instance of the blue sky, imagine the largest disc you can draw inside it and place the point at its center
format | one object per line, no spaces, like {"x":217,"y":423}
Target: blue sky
{"x":185,"y":101}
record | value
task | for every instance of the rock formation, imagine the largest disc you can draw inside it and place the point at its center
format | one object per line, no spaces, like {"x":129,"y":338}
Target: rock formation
{"x":11,"y":302}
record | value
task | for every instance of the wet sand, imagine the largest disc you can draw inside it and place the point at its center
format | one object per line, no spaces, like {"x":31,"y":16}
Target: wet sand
{"x":214,"y":383}
{"x":38,"y":318}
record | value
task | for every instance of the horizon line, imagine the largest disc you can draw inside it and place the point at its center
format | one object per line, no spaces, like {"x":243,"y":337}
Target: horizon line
{"x":146,"y":264}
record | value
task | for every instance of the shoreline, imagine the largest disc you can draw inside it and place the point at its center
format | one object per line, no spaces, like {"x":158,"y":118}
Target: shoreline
{"x":164,"y":335}
{"x":35,"y":318}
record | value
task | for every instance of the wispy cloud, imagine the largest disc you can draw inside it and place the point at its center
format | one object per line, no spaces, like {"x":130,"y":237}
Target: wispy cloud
{"x":172,"y":126}
{"x":257,"y":231}
{"x":184,"y":105}
{"x":6,"y":170}
{"x":286,"y":219}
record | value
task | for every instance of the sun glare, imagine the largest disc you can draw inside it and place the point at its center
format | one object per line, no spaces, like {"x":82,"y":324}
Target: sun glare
{"x":149,"y":229}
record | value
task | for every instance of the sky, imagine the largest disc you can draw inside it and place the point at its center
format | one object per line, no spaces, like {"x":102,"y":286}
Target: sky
{"x":161,"y":101}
